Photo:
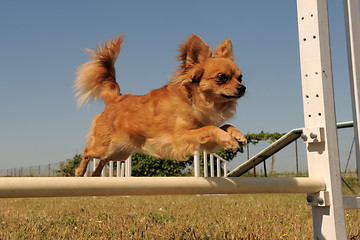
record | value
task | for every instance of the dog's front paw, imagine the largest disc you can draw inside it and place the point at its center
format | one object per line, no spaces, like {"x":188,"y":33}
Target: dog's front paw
{"x":229,"y":143}
{"x":236,"y":134}
{"x":239,"y":138}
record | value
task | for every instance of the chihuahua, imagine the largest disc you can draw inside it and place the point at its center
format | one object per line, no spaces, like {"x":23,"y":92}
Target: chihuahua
{"x":169,"y":122}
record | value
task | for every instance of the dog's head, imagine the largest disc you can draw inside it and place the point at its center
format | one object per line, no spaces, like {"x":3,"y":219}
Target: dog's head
{"x":214,"y":73}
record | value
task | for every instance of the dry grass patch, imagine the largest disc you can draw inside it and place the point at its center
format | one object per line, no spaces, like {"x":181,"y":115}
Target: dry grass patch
{"x":256,"y":216}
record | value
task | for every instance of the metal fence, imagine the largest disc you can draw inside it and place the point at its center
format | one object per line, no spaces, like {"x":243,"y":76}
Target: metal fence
{"x":123,"y":169}
{"x":48,"y":170}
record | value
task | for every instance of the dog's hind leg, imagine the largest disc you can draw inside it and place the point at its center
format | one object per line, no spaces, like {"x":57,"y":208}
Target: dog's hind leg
{"x":102,"y":162}
{"x":99,"y":167}
{"x":93,"y":150}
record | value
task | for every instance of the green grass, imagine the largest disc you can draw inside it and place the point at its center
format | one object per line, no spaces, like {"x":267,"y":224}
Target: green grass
{"x":255,"y":216}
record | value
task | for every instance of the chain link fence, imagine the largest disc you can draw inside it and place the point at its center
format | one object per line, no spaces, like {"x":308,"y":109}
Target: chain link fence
{"x":48,"y":170}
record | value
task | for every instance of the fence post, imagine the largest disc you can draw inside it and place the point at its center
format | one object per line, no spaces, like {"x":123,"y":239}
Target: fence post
{"x":87,"y":169}
{"x":128,"y":167}
{"x":111,"y":169}
{"x":205,"y":165}
{"x":122,"y":170}
{"x":218,"y":167}
{"x":118,"y":165}
{"x":212,"y":165}
{"x":103,"y":171}
{"x":94,"y":164}
{"x":197,"y":163}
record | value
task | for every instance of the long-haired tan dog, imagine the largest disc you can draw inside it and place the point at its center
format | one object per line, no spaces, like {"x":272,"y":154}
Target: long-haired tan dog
{"x":169,"y":122}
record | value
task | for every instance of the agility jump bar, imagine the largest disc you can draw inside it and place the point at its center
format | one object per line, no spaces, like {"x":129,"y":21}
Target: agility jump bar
{"x":25,"y":187}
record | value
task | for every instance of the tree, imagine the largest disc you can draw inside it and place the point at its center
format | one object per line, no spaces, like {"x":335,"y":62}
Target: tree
{"x":67,"y":169}
{"x":255,"y":138}
{"x":145,"y":165}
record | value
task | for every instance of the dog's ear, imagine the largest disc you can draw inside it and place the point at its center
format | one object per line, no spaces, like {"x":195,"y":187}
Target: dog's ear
{"x":224,"y":50}
{"x":193,"y":51}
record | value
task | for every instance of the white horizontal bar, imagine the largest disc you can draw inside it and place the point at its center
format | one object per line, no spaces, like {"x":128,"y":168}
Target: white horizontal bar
{"x":351,"y":202}
{"x":20,"y":187}
{"x":218,"y":157}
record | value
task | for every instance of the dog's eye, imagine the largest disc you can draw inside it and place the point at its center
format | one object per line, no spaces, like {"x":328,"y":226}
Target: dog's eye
{"x":240,"y":78}
{"x":221,"y":78}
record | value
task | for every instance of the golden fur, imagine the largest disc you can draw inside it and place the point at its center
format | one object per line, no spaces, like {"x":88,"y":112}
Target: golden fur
{"x":169,"y":122}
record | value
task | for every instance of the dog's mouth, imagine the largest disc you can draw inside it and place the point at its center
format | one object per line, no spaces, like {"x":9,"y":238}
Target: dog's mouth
{"x":231,"y":96}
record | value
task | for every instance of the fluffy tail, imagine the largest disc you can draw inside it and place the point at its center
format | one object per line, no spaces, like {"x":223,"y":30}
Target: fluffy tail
{"x":97,"y":78}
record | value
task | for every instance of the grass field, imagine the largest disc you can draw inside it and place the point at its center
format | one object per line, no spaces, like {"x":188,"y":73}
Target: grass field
{"x":256,"y":216}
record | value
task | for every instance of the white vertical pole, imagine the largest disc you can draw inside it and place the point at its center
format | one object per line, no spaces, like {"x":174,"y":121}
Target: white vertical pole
{"x":319,"y":113}
{"x":103,"y":171}
{"x":225,"y":169}
{"x":352,"y":27}
{"x":197,"y":163}
{"x":205,"y":165}
{"x":212,"y":165}
{"x":111,"y":169}
{"x":94,"y":163}
{"x":128,"y":167}
{"x":87,"y":170}
{"x":122,"y":170}
{"x":118,"y":164}
{"x":218,"y":167}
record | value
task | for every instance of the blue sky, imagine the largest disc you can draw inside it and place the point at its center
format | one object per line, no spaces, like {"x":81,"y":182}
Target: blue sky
{"x":41,"y":47}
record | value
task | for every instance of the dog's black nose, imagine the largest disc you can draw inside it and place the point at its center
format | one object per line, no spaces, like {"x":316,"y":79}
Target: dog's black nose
{"x":241,"y":89}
